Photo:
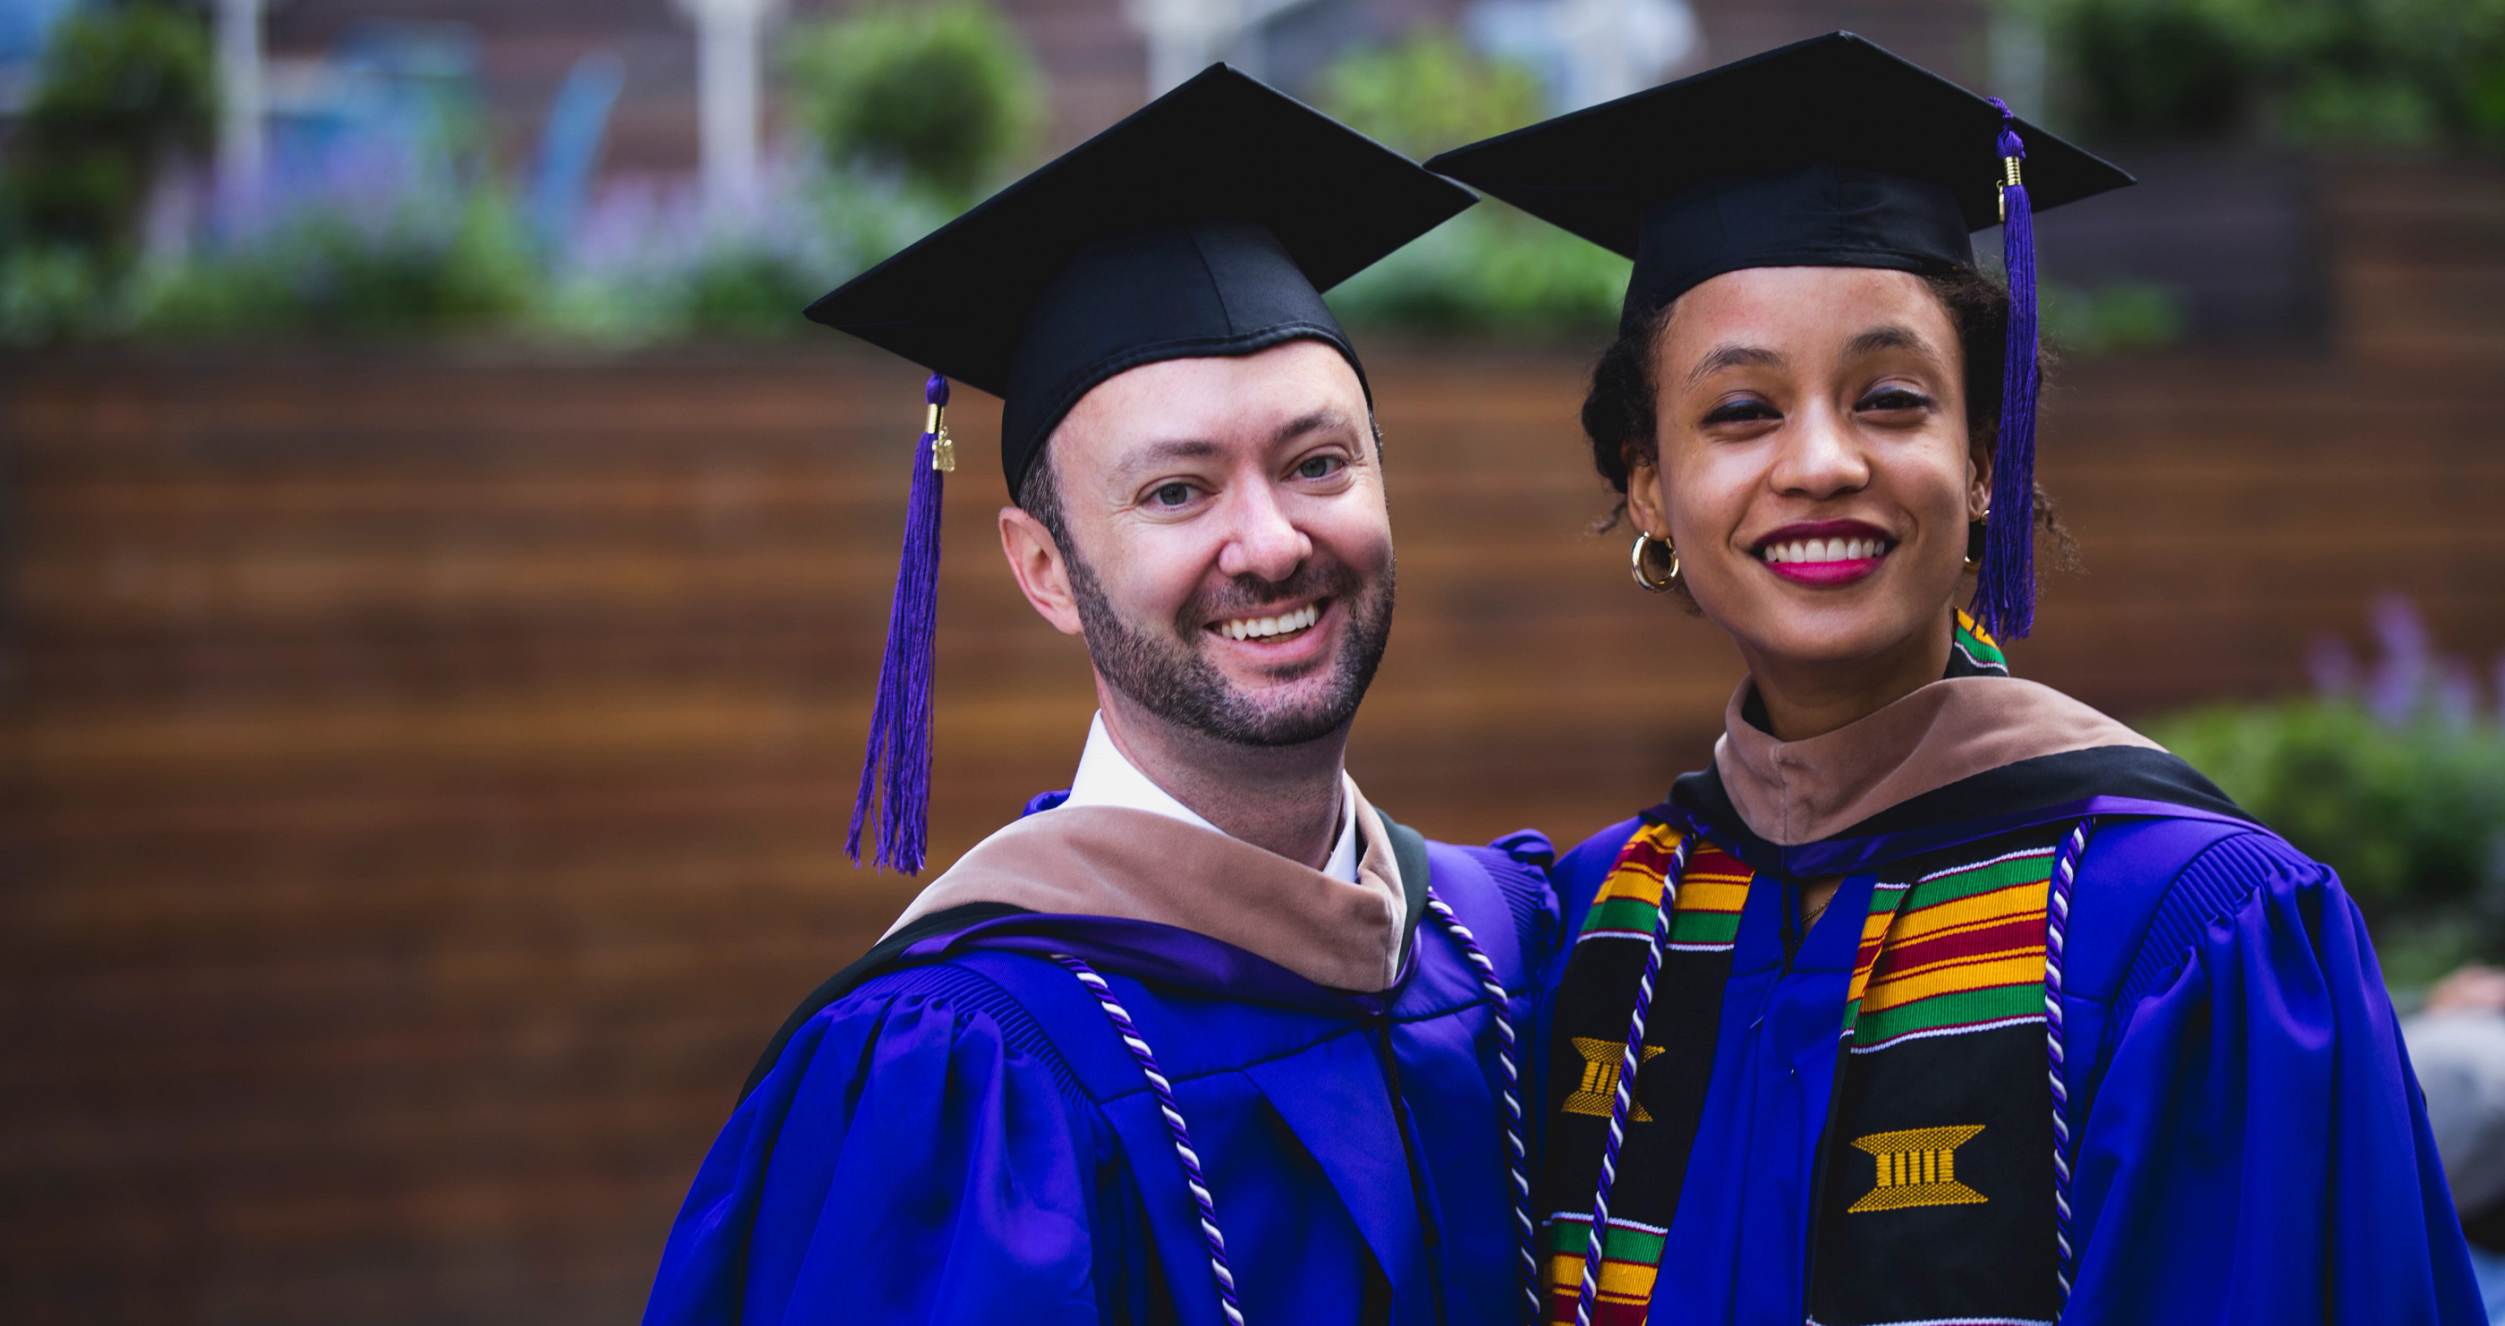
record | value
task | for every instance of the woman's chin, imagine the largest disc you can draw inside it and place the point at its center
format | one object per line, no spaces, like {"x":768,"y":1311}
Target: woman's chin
{"x":1826,"y":629}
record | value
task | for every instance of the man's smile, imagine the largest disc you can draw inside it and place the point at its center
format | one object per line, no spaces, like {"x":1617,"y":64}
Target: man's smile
{"x":1276,"y":626}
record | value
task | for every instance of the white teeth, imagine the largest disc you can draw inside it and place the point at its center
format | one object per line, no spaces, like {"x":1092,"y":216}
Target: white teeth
{"x":1249,"y":628}
{"x":1823,"y":550}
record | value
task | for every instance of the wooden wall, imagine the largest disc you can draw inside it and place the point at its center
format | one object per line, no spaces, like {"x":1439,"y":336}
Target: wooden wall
{"x":423,"y":775}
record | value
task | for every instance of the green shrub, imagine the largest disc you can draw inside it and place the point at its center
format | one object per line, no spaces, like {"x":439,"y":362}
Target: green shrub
{"x":2412,"y":816}
{"x":120,"y":88}
{"x":421,"y":271}
{"x":55,"y":292}
{"x":2308,"y":70}
{"x":943,"y":93}
{"x":1428,"y":93}
{"x":1492,"y":268}
{"x":663,"y":273}
{"x":2117,"y":318}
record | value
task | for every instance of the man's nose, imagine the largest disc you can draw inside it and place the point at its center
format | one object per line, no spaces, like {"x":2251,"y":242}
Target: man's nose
{"x":1264,"y":542}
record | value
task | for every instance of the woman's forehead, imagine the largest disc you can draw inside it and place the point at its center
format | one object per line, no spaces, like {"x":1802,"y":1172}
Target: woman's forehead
{"x":1799,"y":310}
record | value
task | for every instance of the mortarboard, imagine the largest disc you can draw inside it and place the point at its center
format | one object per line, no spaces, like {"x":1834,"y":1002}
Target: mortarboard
{"x":1205,"y":224}
{"x":1830,"y":152}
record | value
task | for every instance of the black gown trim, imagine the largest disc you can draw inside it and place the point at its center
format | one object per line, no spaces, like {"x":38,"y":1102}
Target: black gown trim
{"x":2013,"y":789}
{"x":881,"y":955}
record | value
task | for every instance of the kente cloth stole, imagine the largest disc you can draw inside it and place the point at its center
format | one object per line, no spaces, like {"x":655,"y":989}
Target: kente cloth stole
{"x":1935,"y":1195}
{"x":1972,"y":652}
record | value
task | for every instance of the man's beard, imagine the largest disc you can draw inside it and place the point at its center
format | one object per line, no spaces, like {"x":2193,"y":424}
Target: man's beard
{"x":1171,"y":677}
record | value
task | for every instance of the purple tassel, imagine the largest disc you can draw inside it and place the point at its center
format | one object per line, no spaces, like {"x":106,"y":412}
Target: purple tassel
{"x":2004,"y":592}
{"x":897,"y":765}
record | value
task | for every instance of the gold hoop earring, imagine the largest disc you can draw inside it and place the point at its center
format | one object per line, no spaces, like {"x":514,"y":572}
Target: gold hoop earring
{"x":1635,"y":561}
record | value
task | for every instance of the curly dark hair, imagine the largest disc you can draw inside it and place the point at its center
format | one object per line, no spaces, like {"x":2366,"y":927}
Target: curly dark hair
{"x":1619,"y":415}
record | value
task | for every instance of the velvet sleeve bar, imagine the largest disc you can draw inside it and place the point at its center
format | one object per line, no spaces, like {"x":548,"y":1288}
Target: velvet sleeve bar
{"x":2257,"y":1151}
{"x":908,"y":1160}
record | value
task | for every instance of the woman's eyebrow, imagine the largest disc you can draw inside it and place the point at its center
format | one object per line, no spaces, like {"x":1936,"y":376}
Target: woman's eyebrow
{"x":1884,"y":338}
{"x":1732,"y":356}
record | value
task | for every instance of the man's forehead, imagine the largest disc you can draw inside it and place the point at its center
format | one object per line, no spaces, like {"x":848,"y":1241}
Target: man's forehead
{"x":1206,"y":408}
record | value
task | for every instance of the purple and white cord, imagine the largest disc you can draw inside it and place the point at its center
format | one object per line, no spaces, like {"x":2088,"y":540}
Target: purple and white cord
{"x":2056,"y":937}
{"x":1164,"y":1092}
{"x":1508,"y":1060}
{"x":1621,"y":1103}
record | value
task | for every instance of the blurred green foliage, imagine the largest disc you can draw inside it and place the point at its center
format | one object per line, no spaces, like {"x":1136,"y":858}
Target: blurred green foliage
{"x":2311,"y":71}
{"x":806,"y":238}
{"x":119,"y":90}
{"x":943,"y":93}
{"x":461,"y":267}
{"x":2412,"y":814}
{"x":56,"y":292}
{"x":2121,"y":317}
{"x":1428,"y":93}
{"x":1492,"y":268}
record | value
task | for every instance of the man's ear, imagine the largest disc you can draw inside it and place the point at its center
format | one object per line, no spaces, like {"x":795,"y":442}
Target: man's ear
{"x":1043,"y":576}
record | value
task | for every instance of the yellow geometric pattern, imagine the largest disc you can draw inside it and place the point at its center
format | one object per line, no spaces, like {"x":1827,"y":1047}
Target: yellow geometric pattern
{"x":1620,"y":1282}
{"x":1917,"y":1167}
{"x":1601,"y":1060}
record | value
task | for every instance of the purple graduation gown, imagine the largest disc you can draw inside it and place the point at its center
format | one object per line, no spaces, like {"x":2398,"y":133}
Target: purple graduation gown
{"x":955,"y":1134}
{"x":2252,"y":1147}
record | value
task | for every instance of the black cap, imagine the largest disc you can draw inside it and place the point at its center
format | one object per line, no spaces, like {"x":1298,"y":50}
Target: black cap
{"x":1205,"y":224}
{"x":1830,"y":152}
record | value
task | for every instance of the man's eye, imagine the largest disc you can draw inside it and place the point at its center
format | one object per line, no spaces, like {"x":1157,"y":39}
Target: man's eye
{"x":1172,"y":494}
{"x":1319,"y":467}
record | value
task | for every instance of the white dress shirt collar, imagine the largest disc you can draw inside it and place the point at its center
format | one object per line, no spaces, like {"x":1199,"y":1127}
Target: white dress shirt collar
{"x":1106,"y":777}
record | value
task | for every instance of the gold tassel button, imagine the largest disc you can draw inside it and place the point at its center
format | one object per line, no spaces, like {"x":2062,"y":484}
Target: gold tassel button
{"x":943,"y":447}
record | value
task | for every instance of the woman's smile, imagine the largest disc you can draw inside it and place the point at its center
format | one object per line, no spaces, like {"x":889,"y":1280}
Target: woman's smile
{"x":1825,"y":553}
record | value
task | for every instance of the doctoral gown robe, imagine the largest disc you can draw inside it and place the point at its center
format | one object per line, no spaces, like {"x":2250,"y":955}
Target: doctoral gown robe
{"x":1853,"y":1122}
{"x":951,"y":1131}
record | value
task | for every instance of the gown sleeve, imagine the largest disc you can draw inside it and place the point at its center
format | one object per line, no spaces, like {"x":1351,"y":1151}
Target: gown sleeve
{"x":906,"y":1161}
{"x":2258,"y":1149}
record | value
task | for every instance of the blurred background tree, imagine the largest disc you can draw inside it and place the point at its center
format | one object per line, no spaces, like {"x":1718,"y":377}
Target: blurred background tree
{"x":945,"y":95}
{"x":1492,"y":268}
{"x":2307,"y":71}
{"x":404,"y":225}
{"x":123,"y":94}
{"x":121,"y":90}
{"x":1429,"y":93}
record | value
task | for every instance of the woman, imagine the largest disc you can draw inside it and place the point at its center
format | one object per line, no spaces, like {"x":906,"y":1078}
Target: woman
{"x":1968,"y":1004}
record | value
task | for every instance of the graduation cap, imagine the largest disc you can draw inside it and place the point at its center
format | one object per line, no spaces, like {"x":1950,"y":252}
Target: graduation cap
{"x":1206,"y":224}
{"x":1830,"y":152}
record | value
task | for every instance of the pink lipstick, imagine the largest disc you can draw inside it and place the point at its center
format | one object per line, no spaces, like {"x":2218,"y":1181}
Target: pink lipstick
{"x":1825,"y":553}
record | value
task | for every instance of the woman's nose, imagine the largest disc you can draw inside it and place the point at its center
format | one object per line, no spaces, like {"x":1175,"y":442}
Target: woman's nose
{"x":1821,"y":456}
{"x":1264,"y":542}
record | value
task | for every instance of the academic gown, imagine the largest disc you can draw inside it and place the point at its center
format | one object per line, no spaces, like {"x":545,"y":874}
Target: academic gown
{"x":2249,"y":1145}
{"x":951,"y":1131}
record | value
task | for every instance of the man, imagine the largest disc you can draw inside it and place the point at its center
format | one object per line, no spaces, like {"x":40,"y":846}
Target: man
{"x":1205,"y":1039}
